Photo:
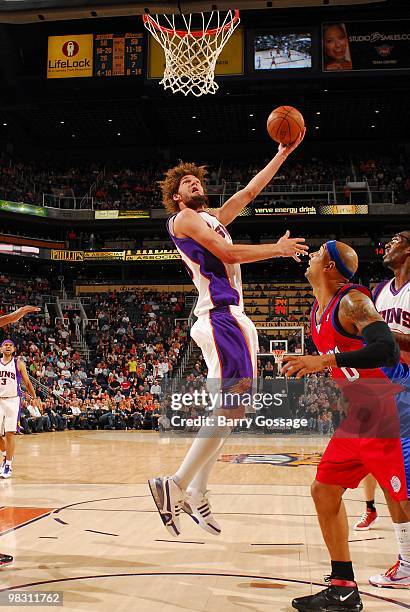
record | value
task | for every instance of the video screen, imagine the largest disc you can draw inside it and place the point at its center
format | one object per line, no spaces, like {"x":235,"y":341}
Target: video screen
{"x":275,"y":51}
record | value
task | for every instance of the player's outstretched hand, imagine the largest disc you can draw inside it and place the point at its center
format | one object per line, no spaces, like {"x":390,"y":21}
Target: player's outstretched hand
{"x":23,"y":311}
{"x":291,"y":247}
{"x":286,"y":150}
{"x":299,"y":366}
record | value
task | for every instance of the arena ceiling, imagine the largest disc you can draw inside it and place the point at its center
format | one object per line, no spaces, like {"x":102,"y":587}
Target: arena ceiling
{"x":26,"y":11}
{"x":172,"y":121}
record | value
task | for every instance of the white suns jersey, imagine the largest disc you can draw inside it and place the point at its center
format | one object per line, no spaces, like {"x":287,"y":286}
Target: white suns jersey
{"x":9,"y":378}
{"x":394,"y":307}
{"x":218,"y":283}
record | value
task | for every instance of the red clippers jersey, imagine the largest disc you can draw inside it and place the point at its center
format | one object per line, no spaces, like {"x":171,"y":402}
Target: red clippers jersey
{"x":371,"y":395}
{"x":329,"y":337}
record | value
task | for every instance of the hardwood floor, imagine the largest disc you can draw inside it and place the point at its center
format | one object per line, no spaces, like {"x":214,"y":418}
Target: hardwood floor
{"x":78,"y":517}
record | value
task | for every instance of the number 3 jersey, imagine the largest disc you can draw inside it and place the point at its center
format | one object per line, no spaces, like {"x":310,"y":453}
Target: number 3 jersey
{"x":10,"y":379}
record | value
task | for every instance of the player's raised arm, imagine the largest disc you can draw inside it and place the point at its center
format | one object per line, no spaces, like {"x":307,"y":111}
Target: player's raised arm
{"x":234,"y":206}
{"x":190,"y":225}
{"x":13,"y":317}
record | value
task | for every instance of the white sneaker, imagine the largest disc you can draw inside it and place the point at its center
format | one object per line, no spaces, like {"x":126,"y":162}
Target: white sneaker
{"x":3,"y":465}
{"x":199,"y":509}
{"x":6,"y":471}
{"x":397,"y":577}
{"x":168,"y":498}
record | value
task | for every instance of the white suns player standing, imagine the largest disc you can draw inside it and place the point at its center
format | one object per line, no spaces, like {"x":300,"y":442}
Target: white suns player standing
{"x":12,"y":373}
{"x":226,"y":336}
{"x":9,"y":319}
{"x":392,"y":301}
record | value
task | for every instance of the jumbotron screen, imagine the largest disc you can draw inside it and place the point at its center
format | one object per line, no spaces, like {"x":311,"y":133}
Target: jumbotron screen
{"x":276,"y":50}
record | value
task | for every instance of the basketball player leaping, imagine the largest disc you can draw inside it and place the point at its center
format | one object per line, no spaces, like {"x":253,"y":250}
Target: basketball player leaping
{"x":392,"y":301}
{"x":8,"y":319}
{"x":359,"y":348}
{"x":227,"y":338}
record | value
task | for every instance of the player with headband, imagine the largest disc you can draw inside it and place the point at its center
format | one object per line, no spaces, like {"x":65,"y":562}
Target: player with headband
{"x":356,"y":344}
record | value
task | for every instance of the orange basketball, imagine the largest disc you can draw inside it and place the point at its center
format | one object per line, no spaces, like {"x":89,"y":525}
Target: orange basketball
{"x":285,"y":123}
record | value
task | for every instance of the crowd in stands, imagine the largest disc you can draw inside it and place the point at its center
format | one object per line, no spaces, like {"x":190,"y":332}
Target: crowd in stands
{"x":129,"y":189}
{"x":135,"y":343}
{"x":298,"y":170}
{"x":387,"y":173}
{"x":135,"y":187}
{"x":27,"y":182}
{"x":321,"y":404}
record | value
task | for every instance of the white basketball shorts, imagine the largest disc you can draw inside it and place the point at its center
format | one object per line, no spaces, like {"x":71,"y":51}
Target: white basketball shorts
{"x":229,"y":343}
{"x":9,"y":414}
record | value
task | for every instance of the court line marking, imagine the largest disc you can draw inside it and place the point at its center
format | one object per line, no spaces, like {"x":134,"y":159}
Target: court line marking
{"x":368,"y":539}
{"x":279,"y":544}
{"x":102,"y":532}
{"x":396,"y":602}
{"x":179,"y":542}
{"x":91,"y":501}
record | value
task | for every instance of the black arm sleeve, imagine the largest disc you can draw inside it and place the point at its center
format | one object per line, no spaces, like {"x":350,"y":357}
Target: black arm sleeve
{"x":381,"y":349}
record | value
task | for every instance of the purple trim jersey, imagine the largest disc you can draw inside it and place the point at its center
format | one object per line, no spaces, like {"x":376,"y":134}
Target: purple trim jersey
{"x":218,"y":283}
{"x":394,"y":307}
{"x":10,"y":378}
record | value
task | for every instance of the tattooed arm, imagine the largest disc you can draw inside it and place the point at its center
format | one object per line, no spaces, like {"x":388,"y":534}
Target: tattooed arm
{"x":358,"y":317}
{"x":356,"y":311}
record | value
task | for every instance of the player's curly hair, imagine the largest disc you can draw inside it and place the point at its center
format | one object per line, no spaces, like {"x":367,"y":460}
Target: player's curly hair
{"x":169,"y":186}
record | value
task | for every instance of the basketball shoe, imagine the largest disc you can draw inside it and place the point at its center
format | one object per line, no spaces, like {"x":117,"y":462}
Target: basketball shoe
{"x":197,"y":506}
{"x":3,"y":465}
{"x":5,"y":559}
{"x":398,"y":576}
{"x":369,"y":518}
{"x":340,"y":596}
{"x":168,"y":498}
{"x":6,"y":471}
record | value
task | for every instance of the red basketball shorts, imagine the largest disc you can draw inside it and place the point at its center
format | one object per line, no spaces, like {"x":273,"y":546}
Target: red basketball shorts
{"x":346,"y":461}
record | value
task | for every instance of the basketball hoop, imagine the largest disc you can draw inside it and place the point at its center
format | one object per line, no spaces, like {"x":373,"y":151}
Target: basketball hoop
{"x":191,"y":54}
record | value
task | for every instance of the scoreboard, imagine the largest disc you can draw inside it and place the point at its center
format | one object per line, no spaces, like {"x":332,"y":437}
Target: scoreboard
{"x":118,"y":54}
{"x":98,"y":55}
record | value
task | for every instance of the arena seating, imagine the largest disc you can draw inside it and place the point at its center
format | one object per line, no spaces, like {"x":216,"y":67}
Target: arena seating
{"x":135,"y":344}
{"x":135,"y":187}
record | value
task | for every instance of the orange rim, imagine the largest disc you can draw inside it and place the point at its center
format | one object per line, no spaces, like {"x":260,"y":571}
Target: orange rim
{"x":195,"y":33}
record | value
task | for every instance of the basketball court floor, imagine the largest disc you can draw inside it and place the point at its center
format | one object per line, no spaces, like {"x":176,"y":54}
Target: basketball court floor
{"x":79,"y":519}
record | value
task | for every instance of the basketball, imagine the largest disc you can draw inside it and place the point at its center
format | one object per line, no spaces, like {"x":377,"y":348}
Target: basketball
{"x":285,"y":123}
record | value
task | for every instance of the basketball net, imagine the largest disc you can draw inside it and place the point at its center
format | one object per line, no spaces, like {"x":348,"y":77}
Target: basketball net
{"x":191,"y":54}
